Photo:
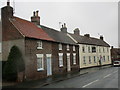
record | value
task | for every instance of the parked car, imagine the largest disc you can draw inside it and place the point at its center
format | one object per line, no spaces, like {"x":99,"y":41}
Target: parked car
{"x":116,"y":63}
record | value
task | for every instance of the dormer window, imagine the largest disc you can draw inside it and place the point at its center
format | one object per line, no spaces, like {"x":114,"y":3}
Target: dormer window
{"x":39,"y":45}
{"x":68,"y":48}
{"x":60,"y":46}
{"x":73,"y":48}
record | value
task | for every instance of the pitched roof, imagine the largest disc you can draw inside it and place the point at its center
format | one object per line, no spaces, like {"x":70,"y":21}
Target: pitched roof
{"x":115,"y":51}
{"x":58,"y":36}
{"x":89,"y":40}
{"x":28,"y":29}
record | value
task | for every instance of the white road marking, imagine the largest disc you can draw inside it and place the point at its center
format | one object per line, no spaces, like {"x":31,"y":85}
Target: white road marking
{"x":115,"y":71}
{"x":107,"y":75}
{"x":90,"y":83}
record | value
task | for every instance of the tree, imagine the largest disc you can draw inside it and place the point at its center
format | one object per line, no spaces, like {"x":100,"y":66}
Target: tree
{"x":14,"y":64}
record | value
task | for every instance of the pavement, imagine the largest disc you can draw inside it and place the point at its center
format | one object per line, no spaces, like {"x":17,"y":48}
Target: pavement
{"x":50,"y":80}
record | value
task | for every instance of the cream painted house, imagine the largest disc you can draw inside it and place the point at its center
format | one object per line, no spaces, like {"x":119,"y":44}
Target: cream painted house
{"x":92,"y":51}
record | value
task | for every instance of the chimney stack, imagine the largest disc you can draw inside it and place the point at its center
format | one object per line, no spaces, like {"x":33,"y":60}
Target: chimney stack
{"x":101,"y":37}
{"x":8,"y":2}
{"x":35,"y":18}
{"x":77,"y":31}
{"x":87,"y":35}
{"x":64,"y":28}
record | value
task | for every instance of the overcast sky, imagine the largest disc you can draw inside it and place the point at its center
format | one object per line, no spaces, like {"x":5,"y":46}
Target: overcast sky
{"x":96,"y":17}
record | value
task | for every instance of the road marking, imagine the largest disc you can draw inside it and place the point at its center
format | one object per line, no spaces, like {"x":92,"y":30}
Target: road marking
{"x":107,"y":75}
{"x":90,"y":83}
{"x":115,"y":71}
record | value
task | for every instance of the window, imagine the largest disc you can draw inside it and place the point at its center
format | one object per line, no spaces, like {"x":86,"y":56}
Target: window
{"x":89,"y":49}
{"x":103,"y":49}
{"x":74,"y":58}
{"x":40,"y":64}
{"x":60,"y":46}
{"x":83,"y":49}
{"x":108,"y":58}
{"x":60,"y":59}
{"x":84,"y":61}
{"x":90,"y":60}
{"x":107,"y":49}
{"x":94,"y":59}
{"x":93,"y":49}
{"x":104,"y":58}
{"x":73,"y":48}
{"x":99,"y":50}
{"x":68,"y":47}
{"x":39,"y":45}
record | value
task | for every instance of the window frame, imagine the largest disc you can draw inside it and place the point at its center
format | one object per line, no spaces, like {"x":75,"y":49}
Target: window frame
{"x":38,"y":57}
{"x":60,"y":46}
{"x":89,"y":59}
{"x":68,"y":47}
{"x":84,"y":60}
{"x":39,"y":45}
{"x":74,"y":48}
{"x":74,"y":58}
{"x":61,"y":60}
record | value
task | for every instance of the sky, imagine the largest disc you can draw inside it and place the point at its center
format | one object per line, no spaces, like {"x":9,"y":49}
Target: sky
{"x":94,"y":17}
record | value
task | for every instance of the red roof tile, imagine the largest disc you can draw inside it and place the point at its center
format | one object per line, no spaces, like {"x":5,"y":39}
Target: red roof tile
{"x":30,"y":30}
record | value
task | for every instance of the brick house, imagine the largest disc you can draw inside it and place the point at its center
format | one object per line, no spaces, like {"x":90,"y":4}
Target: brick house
{"x":92,"y":51}
{"x":64,"y":49}
{"x":115,"y":54}
{"x":44,"y":55}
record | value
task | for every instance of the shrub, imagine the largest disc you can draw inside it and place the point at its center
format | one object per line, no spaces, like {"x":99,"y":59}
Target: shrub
{"x":14,"y":64}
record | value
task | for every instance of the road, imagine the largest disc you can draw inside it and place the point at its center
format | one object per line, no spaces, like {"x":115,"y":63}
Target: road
{"x":104,"y":78}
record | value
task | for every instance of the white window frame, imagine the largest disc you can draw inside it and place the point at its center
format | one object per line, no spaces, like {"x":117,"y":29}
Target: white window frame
{"x":73,"y":48}
{"x":83,"y":49}
{"x":60,"y":46}
{"x":94,"y":57}
{"x":40,"y":56}
{"x":89,"y":59}
{"x":68,"y":47}
{"x":89,"y":49}
{"x":39,"y":45}
{"x":60,"y":59}
{"x":74,"y":58}
{"x":84,"y":60}
{"x":104,"y":58}
{"x":108,"y":58}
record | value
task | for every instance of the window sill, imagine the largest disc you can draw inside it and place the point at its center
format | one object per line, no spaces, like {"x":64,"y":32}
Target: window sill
{"x":39,"y":48}
{"x":61,"y":66}
{"x":40,"y":69}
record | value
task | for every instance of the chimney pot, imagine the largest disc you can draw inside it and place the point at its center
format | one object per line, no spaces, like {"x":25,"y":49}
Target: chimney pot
{"x":64,"y":29}
{"x":34,"y":13}
{"x":87,"y":35}
{"x":8,"y":2}
{"x":37,"y":13}
{"x":77,"y":31}
{"x":101,"y":37}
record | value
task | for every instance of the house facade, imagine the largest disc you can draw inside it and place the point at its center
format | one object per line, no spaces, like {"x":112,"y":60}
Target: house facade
{"x":92,"y":51}
{"x":115,"y":54}
{"x":64,"y":49}
{"x":44,"y":55}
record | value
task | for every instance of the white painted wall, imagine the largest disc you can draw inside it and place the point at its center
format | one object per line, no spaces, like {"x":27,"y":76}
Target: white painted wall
{"x":96,"y":54}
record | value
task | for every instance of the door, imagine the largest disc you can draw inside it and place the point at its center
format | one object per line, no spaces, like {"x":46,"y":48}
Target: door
{"x":49,"y":65}
{"x":68,"y":62}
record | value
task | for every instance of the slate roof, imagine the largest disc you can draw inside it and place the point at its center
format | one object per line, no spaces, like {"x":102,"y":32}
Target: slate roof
{"x":89,"y":40}
{"x":58,"y":36}
{"x":28,"y":29}
{"x":115,"y":51}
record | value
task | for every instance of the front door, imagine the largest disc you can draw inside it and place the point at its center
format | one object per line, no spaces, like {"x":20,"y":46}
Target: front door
{"x":49,"y":65}
{"x":68,"y":62}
